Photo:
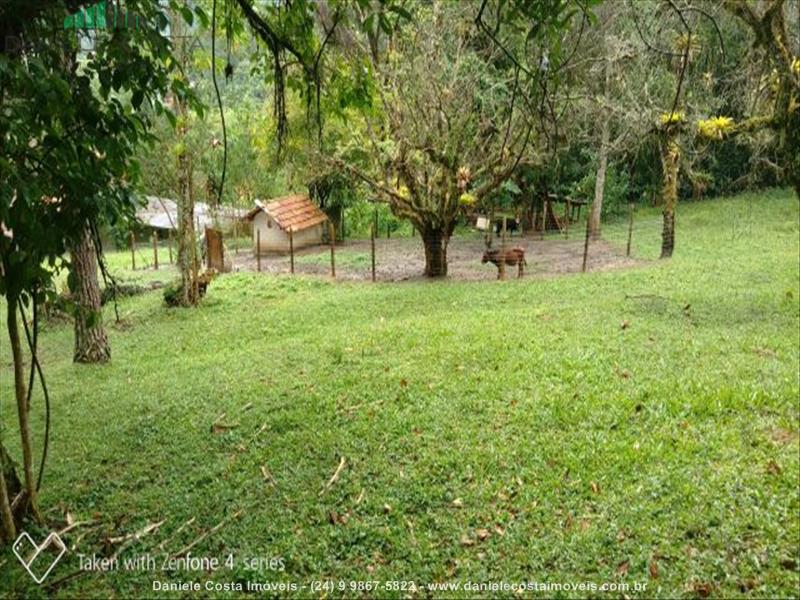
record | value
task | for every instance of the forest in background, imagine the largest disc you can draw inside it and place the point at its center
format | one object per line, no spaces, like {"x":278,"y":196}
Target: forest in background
{"x":617,"y":82}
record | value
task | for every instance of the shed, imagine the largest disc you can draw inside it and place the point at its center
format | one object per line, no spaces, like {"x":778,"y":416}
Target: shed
{"x":162,"y":214}
{"x":274,"y":219}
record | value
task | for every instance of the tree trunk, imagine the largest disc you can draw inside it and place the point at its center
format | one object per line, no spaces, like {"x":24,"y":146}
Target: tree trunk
{"x":22,"y":406}
{"x":602,"y":163}
{"x":91,"y":342}
{"x":600,"y":183}
{"x":187,"y":249}
{"x":670,"y":155}
{"x":9,"y":487}
{"x":435,"y":240}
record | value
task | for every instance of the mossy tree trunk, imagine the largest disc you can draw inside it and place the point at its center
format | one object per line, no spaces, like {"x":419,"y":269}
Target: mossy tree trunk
{"x":187,"y":247}
{"x":670,"y":157}
{"x":602,"y":159}
{"x":91,"y":342}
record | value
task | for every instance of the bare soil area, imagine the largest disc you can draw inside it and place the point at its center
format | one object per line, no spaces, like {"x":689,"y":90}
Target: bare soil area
{"x":404,"y":259}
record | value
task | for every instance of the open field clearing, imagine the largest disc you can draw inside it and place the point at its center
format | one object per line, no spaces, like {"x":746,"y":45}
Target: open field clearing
{"x":631,"y":426}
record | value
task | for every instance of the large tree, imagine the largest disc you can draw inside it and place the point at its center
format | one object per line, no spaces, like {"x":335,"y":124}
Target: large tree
{"x":769,"y":26}
{"x":698,"y":29}
{"x":454,"y":115}
{"x":67,"y":138}
{"x":455,"y":125}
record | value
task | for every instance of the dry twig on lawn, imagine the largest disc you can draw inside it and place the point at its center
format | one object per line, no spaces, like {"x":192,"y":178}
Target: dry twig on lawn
{"x":335,"y":476}
{"x":265,"y":473}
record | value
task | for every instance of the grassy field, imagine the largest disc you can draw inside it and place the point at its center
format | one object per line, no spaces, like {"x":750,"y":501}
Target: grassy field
{"x":633,"y":427}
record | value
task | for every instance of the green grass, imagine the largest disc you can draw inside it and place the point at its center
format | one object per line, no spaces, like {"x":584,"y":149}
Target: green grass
{"x":524,"y":407}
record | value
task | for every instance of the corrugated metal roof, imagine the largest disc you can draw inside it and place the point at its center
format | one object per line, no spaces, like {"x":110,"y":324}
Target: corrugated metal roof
{"x":162,"y":213}
{"x":295,"y":212}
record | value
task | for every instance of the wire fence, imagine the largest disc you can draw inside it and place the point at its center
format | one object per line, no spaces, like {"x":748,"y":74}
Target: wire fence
{"x":389,"y":257}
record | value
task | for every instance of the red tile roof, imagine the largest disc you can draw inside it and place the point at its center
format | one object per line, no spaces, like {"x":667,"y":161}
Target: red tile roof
{"x":296,"y":212}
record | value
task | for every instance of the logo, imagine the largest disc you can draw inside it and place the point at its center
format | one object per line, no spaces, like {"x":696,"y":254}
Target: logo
{"x":102,"y":16}
{"x":27,"y":551}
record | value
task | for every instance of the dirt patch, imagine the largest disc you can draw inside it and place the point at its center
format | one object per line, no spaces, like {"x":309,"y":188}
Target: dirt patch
{"x":403,"y":259}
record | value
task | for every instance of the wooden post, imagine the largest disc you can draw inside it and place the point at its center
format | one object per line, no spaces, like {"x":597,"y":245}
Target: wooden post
{"x":501,"y":269}
{"x":586,"y":243}
{"x":567,"y":206}
{"x":236,"y":235}
{"x":332,"y":236}
{"x":133,"y":251}
{"x":169,"y":245}
{"x":630,"y":230}
{"x":372,"y":248}
{"x":545,"y":204}
{"x":291,"y":250}
{"x":388,"y":230}
{"x":155,"y":251}
{"x":258,"y":250}
{"x":490,"y":231}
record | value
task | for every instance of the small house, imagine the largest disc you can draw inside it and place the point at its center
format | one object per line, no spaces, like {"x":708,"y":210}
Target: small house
{"x":274,"y":219}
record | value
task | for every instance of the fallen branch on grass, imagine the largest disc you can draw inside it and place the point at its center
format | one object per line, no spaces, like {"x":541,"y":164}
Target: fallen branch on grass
{"x":75,"y":524}
{"x":174,"y":535}
{"x":261,"y":430}
{"x":130,"y":538}
{"x":205,"y":534}
{"x":268,"y":476}
{"x":218,"y":426}
{"x":136,"y":535}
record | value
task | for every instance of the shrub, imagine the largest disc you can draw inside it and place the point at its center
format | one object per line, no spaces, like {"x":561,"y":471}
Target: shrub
{"x":615,"y":197}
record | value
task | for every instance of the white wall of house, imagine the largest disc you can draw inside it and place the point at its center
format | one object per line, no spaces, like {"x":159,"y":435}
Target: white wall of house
{"x":275,"y":239}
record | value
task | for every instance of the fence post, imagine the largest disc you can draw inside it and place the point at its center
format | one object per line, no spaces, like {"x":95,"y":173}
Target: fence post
{"x":155,"y":251}
{"x":542,"y":231}
{"x":501,"y":269}
{"x":258,"y":250}
{"x":388,"y":230}
{"x":169,"y":245}
{"x":586,"y":243}
{"x":291,"y":250}
{"x":236,"y":235}
{"x":372,"y":248}
{"x":332,"y":236}
{"x":567,"y":206}
{"x":133,"y":251}
{"x":630,"y":230}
